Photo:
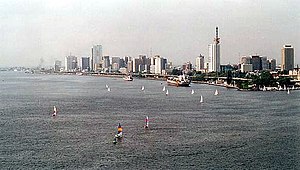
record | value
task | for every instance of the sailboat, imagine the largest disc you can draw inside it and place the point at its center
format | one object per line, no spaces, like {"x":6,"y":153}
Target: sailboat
{"x":164,"y":88}
{"x":143,"y":88}
{"x":201,"y":99}
{"x":147,"y":123}
{"x":192,"y":92}
{"x":54,"y":111}
{"x":216,"y":92}
{"x":167,"y":92}
{"x":288,"y":91}
{"x":106,"y":86}
{"x":108,"y":89}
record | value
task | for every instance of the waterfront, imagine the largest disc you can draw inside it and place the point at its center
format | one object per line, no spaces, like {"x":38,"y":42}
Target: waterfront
{"x":234,"y":130}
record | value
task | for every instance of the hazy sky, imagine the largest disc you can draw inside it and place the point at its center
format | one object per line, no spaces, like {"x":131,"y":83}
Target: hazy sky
{"x":176,"y":29}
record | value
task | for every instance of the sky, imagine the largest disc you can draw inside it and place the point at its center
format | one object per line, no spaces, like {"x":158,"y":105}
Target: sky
{"x":34,"y":32}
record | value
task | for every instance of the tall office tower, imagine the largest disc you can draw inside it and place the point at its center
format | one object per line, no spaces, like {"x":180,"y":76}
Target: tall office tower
{"x":135,"y":65}
{"x":199,"y":63}
{"x":57,"y":65}
{"x":256,"y":63}
{"x":264,"y":63}
{"x":214,"y":54}
{"x":272,"y":64}
{"x":287,"y":57}
{"x":115,"y":62}
{"x":70,"y":63}
{"x":97,"y":57}
{"x":245,"y":60}
{"x":106,"y":62}
{"x":158,"y":64}
{"x":85,"y":63}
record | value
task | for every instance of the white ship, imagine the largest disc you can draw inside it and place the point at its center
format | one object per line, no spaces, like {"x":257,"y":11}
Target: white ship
{"x":181,"y":80}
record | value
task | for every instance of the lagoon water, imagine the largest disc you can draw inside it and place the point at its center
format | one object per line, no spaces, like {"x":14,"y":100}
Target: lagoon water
{"x":234,"y":130}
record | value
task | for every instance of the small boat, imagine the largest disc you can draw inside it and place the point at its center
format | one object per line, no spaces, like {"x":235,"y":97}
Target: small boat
{"x":181,"y":80}
{"x":54,"y":111}
{"x":216,"y":92}
{"x":164,"y":88}
{"x":288,"y":91}
{"x":201,"y":99}
{"x":167,"y":92}
{"x":106,"y":86}
{"x":143,"y":88}
{"x":192,"y":92}
{"x":146,"y":123}
{"x":108,"y":89}
{"x":128,"y":78}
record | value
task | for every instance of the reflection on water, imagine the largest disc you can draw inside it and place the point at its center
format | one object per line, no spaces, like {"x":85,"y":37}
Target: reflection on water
{"x":237,"y":130}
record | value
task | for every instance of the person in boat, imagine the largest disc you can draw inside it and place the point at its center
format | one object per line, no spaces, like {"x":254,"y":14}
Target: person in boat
{"x":147,"y":123}
{"x":54,"y":111}
{"x":120,"y":131}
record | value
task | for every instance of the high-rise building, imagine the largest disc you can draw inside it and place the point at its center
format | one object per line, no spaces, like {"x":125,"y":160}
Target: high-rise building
{"x":57,"y":65}
{"x":115,"y":62}
{"x":246,"y":60}
{"x":287,"y":57}
{"x":97,"y":57}
{"x":70,"y":63}
{"x":106,"y":63}
{"x":256,"y":63}
{"x":85,"y":63}
{"x":200,"y":63}
{"x":158,"y":64}
{"x":214,"y":54}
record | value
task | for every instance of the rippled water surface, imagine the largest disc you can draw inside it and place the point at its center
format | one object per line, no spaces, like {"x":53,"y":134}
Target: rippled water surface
{"x":234,"y":130}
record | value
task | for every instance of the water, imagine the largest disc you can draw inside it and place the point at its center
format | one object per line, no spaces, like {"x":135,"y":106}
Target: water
{"x":234,"y":130}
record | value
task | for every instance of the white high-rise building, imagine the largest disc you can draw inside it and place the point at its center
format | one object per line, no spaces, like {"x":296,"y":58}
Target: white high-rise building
{"x":70,"y":63}
{"x":200,"y":63}
{"x":214,"y":54}
{"x":97,"y":57}
{"x":158,"y":64}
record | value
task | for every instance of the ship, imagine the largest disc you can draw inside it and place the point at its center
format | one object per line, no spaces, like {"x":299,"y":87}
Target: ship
{"x":128,"y":78}
{"x":181,"y":80}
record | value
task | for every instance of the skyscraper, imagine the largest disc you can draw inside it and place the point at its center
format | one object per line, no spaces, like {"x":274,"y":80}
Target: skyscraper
{"x":85,"y":63}
{"x":199,"y":63}
{"x":214,"y":54}
{"x":287,"y":57}
{"x":97,"y":57}
{"x":256,"y":63}
{"x":70,"y":63}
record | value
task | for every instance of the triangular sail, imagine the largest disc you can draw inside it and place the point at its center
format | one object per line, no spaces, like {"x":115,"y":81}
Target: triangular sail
{"x":216,"y":92}
{"x":201,"y":99}
{"x":192,"y":92}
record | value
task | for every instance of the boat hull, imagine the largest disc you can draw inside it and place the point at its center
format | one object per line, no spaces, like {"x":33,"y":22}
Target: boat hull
{"x":176,"y":83}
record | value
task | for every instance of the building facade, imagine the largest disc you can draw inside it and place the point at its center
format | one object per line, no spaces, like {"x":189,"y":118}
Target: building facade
{"x":97,"y":57}
{"x":214,"y":54}
{"x":287,"y":57}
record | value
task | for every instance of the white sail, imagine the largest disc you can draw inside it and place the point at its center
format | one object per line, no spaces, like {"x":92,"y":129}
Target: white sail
{"x":54,"y":111}
{"x":167,"y":92}
{"x":164,"y":88}
{"x":108,"y":89}
{"x":288,"y":91}
{"x":143,"y":88}
{"x":192,"y":92}
{"x":216,"y":92}
{"x":106,"y":86}
{"x":201,"y":99}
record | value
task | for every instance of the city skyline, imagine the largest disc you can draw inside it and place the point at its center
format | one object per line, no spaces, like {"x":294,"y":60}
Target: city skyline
{"x":35,"y":31}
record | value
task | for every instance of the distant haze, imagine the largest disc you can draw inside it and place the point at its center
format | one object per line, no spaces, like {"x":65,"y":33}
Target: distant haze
{"x":32,"y":31}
